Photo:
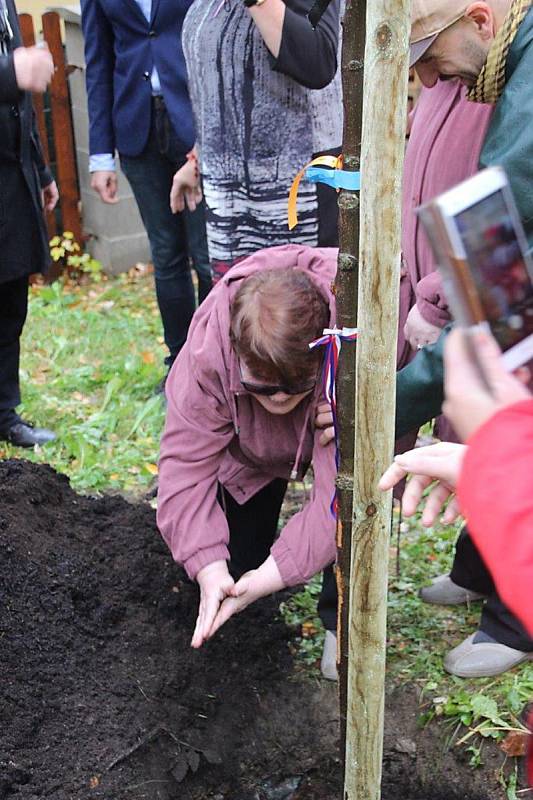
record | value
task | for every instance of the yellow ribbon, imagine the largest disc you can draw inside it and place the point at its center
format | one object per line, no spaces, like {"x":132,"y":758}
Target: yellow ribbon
{"x":335,"y":162}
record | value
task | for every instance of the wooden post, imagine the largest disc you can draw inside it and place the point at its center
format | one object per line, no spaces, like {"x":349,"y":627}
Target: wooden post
{"x":353,"y":46}
{"x":383,"y":142}
{"x":28,"y":37}
{"x":67,"y":178}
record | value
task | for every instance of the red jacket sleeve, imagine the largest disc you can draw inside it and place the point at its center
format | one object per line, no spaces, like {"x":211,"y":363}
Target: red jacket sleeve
{"x":496,"y":496}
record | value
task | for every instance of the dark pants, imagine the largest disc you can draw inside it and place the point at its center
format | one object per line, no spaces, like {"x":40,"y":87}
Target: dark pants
{"x":468,"y":571}
{"x":497,"y":621}
{"x":252,"y":530}
{"x":174,"y":238}
{"x":13,"y":310}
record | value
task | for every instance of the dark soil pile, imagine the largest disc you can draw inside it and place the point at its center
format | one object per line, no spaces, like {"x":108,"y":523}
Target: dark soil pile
{"x":101,"y":695}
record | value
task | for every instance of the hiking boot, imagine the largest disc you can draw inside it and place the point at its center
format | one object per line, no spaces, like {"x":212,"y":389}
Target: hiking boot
{"x":444,"y":592}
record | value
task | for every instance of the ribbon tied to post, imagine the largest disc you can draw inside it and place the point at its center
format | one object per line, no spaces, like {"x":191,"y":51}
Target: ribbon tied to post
{"x":323,"y":169}
{"x":332,"y":339}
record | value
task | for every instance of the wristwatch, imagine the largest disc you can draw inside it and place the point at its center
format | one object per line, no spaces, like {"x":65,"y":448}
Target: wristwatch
{"x":250,"y":3}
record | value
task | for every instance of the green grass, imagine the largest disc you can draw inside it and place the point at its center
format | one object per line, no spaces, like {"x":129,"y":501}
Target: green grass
{"x":419,"y":635}
{"x":91,"y":359}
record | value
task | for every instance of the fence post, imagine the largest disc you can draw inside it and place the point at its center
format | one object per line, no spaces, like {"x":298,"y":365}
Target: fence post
{"x":28,"y":38}
{"x":383,"y":142}
{"x":62,"y":124}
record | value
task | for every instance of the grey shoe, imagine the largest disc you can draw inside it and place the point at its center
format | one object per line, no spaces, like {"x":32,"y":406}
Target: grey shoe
{"x":444,"y":592}
{"x":328,"y":664}
{"x":482,"y":660}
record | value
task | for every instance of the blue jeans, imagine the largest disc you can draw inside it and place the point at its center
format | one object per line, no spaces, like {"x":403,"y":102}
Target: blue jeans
{"x":176,"y":240}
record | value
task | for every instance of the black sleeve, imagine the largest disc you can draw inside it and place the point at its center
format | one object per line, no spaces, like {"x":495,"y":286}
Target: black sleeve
{"x":420,"y":387}
{"x":308,"y":55}
{"x":9,"y":91}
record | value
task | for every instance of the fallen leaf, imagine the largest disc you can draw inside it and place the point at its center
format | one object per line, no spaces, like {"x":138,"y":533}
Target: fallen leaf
{"x":94,"y":782}
{"x":308,"y":630}
{"x":148,"y":357}
{"x":515,"y":743}
{"x":151,"y":468}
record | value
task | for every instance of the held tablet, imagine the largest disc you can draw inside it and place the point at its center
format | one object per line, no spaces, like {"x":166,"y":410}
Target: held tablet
{"x":481,"y":250}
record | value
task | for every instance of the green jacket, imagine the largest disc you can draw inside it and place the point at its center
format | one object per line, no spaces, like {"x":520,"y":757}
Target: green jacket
{"x":509,"y":144}
{"x":509,"y":140}
{"x":420,"y":387}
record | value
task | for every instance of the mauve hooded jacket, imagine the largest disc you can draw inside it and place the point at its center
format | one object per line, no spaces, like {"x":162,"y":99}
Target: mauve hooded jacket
{"x":216,"y":432}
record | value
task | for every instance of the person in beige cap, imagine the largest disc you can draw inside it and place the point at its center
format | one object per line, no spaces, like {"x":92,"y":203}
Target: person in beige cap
{"x":488,"y":46}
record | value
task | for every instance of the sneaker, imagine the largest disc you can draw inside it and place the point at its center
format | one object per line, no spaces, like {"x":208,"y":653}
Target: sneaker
{"x":328,"y":663}
{"x":483,"y":659}
{"x":444,"y":592}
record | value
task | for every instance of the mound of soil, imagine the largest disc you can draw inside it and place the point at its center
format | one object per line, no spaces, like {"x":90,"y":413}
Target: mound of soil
{"x":101,"y":695}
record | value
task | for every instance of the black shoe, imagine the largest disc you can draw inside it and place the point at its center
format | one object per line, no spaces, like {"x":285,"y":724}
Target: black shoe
{"x":23,"y":434}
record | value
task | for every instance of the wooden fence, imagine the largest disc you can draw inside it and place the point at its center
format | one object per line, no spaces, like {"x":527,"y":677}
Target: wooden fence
{"x":54,"y":121}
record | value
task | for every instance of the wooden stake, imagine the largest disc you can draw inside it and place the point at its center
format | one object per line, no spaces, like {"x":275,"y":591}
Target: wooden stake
{"x":383,"y":142}
{"x":353,"y":38}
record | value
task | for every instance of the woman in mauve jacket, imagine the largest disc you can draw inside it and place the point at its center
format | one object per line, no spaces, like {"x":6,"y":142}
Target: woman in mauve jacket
{"x":242,"y":399}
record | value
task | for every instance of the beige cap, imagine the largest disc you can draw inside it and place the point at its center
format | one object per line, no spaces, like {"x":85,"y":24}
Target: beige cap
{"x":428,"y":19}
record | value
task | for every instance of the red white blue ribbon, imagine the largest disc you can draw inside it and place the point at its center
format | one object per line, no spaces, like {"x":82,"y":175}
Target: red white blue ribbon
{"x":332,"y":339}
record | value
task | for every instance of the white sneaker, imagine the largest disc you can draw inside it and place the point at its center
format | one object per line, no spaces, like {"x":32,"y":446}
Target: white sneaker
{"x":328,"y":664}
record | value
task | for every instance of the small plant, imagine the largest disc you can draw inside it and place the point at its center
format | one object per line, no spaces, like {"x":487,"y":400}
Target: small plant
{"x":65,"y":249}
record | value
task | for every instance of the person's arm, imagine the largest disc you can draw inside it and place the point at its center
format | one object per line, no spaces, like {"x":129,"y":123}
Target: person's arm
{"x":196,"y":434}
{"x":100,"y":64}
{"x":495,"y":492}
{"x":431,"y":300}
{"x":307,"y":55}
{"x":307,"y":542}
{"x":420,"y":387}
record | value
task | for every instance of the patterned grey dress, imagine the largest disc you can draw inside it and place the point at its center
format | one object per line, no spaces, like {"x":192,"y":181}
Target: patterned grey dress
{"x":259,"y":121}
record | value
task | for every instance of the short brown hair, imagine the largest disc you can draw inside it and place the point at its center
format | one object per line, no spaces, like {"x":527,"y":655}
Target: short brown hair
{"x":275,"y":314}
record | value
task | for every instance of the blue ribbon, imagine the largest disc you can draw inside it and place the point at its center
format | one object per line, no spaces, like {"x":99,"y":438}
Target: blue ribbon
{"x":337,"y":178}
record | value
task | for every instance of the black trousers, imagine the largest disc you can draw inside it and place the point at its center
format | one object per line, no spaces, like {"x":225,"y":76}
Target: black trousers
{"x":252,"y":530}
{"x":13,"y":311}
{"x":468,"y":571}
{"x":497,"y":621}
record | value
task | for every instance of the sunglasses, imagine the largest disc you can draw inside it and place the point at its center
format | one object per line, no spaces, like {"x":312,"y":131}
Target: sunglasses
{"x":268,"y":390}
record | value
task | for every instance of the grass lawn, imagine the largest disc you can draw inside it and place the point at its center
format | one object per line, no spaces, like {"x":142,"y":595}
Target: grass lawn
{"x":91,"y":359}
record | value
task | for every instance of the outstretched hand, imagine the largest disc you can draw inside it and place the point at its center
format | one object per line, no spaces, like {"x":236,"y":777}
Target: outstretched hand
{"x":438,"y":464}
{"x":215,"y":585}
{"x":250,"y":587}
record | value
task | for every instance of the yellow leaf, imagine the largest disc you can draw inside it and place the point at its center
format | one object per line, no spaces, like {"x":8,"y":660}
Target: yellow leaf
{"x":147,"y":357}
{"x":114,"y":477}
{"x":151,"y":468}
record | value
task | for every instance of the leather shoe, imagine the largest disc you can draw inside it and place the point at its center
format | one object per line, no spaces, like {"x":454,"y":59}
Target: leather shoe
{"x":23,"y":434}
{"x":444,"y":592}
{"x":483,"y":659}
{"x":328,"y":663}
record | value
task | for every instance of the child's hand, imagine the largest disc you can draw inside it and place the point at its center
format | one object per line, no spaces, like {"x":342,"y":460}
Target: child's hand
{"x":253,"y":585}
{"x":215,"y":584}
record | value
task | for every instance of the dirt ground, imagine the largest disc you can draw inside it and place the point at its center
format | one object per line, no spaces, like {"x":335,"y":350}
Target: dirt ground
{"x":102,"y":697}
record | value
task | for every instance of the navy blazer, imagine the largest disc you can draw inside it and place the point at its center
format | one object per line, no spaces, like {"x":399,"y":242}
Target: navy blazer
{"x":121,"y":48}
